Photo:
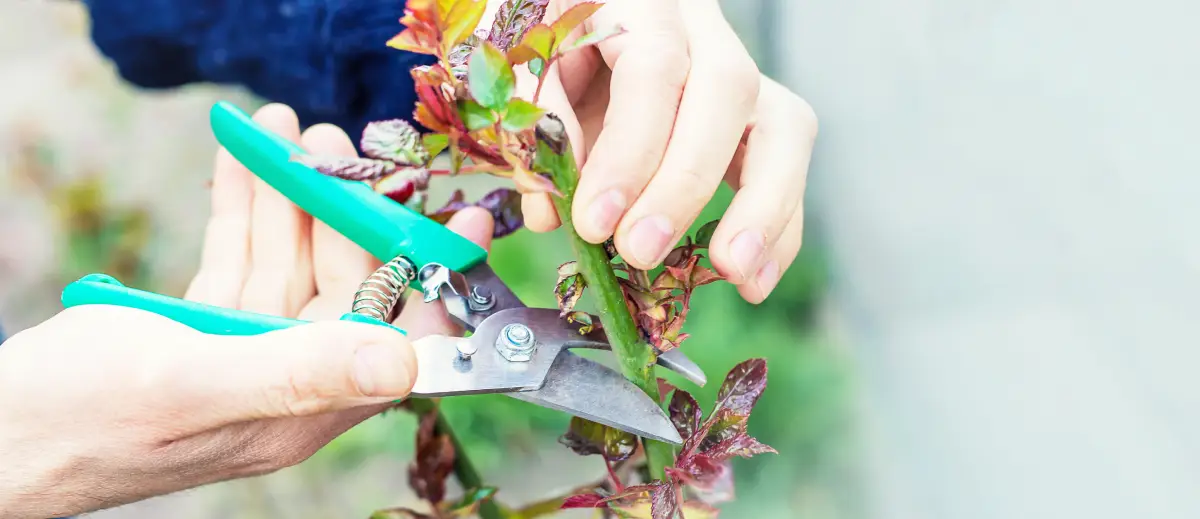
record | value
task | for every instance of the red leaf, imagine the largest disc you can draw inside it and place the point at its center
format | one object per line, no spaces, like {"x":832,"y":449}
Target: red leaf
{"x":423,"y":33}
{"x":740,"y":445}
{"x":664,"y":389}
{"x":685,"y":413}
{"x":437,"y":108}
{"x":586,"y":438}
{"x":584,"y":501}
{"x":503,"y":204}
{"x":512,"y":20}
{"x":663,"y":498}
{"x":742,"y":388}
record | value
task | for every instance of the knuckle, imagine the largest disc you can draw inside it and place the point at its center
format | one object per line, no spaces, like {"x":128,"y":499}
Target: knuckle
{"x":668,"y":63}
{"x":292,"y":398}
{"x":805,"y":118}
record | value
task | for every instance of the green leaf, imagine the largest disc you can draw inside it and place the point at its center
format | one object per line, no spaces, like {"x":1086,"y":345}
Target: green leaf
{"x":537,"y":66}
{"x":474,"y":115}
{"x":705,"y":233}
{"x":520,"y":115}
{"x":490,"y":77}
{"x":593,"y":38}
{"x":435,"y":143}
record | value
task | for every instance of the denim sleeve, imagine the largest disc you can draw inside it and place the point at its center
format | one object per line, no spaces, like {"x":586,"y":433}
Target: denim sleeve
{"x":327,"y":59}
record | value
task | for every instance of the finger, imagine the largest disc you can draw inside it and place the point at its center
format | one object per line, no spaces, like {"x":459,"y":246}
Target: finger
{"x":225,"y":257}
{"x":281,"y":278}
{"x":339,"y":265}
{"x":650,"y":65}
{"x":777,"y":262}
{"x":770,"y":179}
{"x":721,"y":93}
{"x":421,"y":319}
{"x":299,"y":371}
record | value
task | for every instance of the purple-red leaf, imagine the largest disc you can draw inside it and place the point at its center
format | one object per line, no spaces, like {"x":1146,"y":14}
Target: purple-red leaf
{"x":503,"y":204}
{"x":584,"y":501}
{"x":490,"y":77}
{"x":349,"y":168}
{"x":742,"y":388}
{"x":512,"y":20}
{"x":395,"y":140}
{"x":739,"y":445}
{"x":662,"y":501}
{"x":685,"y":413}
{"x":586,"y":438}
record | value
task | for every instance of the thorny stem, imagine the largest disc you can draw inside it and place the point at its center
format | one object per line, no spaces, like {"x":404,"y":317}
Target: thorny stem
{"x":464,"y":470}
{"x":636,"y":359}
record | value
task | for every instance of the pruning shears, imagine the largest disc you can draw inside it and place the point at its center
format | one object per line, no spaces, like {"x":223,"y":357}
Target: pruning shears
{"x":511,"y":348}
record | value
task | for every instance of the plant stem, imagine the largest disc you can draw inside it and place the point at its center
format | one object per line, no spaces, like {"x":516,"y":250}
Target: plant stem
{"x":554,"y":156}
{"x":464,"y":470}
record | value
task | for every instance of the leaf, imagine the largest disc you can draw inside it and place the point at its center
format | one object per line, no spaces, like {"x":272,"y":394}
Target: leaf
{"x":586,"y":438}
{"x":475,"y":115}
{"x":584,"y":501}
{"x":593,"y":38}
{"x":569,"y":287}
{"x":403,"y":184}
{"x":664,"y":389}
{"x":512,"y":20}
{"x":663,"y":500}
{"x":395,"y":140}
{"x":520,"y":115}
{"x":399,"y":513}
{"x":584,"y":319}
{"x":741,"y":445}
{"x":685,"y":413}
{"x":571,"y":18}
{"x":435,"y":143}
{"x":433,"y":462}
{"x":505,"y":206}
{"x":470,"y":502}
{"x":436,"y":108}
{"x":490,"y":77}
{"x":538,"y":42}
{"x":742,"y":388}
{"x":529,"y":182}
{"x":537,"y":66}
{"x":461,"y":21}
{"x":717,"y":489}
{"x":705,"y":233}
{"x":349,"y":168}
{"x":423,"y":30}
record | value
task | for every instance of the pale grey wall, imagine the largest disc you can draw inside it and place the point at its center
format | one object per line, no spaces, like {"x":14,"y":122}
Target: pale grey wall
{"x":1010,"y":189}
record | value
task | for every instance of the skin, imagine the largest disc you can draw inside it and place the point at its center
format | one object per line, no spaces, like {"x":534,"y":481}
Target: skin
{"x":666,"y":112}
{"x":169,"y":408}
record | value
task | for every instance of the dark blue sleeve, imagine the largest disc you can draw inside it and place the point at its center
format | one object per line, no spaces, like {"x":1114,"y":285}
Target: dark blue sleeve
{"x":327,"y":59}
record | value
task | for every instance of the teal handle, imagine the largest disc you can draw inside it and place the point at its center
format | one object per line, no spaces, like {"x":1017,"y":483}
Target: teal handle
{"x":100,"y":289}
{"x":376,"y":223}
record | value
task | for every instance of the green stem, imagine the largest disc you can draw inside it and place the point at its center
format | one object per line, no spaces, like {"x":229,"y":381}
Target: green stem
{"x":636,"y":358}
{"x":464,"y":470}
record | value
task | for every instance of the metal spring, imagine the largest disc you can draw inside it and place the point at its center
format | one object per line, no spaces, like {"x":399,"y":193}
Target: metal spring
{"x":378,"y":295}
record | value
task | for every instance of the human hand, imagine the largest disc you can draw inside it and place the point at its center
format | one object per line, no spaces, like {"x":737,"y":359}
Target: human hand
{"x":103,"y":405}
{"x":661,"y":115}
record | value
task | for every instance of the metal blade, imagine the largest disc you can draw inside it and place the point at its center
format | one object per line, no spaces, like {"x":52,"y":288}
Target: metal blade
{"x":676,"y":361}
{"x":583,"y":388}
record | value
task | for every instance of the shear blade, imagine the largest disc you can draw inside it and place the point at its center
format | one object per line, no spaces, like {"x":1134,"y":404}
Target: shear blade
{"x":586,"y":389}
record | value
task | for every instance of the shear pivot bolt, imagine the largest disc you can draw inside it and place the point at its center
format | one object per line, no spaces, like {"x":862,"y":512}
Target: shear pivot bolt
{"x":481,"y":298}
{"x":516,"y":343}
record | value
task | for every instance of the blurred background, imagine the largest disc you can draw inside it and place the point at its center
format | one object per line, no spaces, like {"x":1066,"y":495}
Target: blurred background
{"x":993,"y":316}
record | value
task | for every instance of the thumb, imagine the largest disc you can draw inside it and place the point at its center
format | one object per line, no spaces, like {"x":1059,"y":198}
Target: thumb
{"x":305,"y":370}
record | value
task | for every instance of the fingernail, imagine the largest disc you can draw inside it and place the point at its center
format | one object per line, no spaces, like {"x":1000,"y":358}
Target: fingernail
{"x":380,"y":369}
{"x":606,"y":210}
{"x":649,"y":238}
{"x":767,"y":277}
{"x":745,"y":250}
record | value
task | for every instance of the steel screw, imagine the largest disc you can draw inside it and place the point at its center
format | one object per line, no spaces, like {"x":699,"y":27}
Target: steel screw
{"x":466,"y":348}
{"x":481,"y":298}
{"x":516,"y":343}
